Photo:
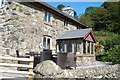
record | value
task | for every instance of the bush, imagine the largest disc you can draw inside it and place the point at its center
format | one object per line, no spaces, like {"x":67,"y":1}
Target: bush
{"x":111,"y":47}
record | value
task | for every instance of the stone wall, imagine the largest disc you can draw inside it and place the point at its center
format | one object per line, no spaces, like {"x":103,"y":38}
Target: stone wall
{"x":85,"y":61}
{"x":22,"y":28}
{"x":51,"y":70}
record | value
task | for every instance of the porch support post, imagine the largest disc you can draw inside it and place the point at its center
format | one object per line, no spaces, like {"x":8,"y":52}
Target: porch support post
{"x":57,"y":48}
{"x":93,"y":48}
{"x":90,"y":47}
{"x":65,"y":47}
{"x":73,"y":50}
{"x":86,"y":47}
{"x":81,"y":48}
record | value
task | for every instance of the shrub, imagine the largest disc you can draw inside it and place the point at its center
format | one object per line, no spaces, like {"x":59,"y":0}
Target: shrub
{"x":111,"y":47}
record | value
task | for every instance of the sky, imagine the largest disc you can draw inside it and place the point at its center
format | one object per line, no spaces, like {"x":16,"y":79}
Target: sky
{"x":79,"y":7}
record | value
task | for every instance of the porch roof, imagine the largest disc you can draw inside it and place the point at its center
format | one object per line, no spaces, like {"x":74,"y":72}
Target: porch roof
{"x":75,"y":34}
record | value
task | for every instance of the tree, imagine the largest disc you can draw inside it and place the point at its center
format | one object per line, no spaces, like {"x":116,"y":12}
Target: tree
{"x":86,"y":17}
{"x":60,"y":7}
{"x":112,"y":49}
{"x":100,"y":18}
{"x":87,"y":20}
{"x":105,"y":17}
{"x":95,"y":17}
{"x":90,"y":9}
{"x":113,"y":10}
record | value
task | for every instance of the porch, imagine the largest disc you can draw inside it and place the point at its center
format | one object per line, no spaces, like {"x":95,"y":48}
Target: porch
{"x":80,"y":42}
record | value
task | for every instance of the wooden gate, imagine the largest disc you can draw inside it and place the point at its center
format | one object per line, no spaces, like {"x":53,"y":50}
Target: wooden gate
{"x":29,"y":66}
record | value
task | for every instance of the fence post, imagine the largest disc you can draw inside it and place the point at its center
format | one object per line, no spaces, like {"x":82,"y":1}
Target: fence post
{"x":31,"y":63}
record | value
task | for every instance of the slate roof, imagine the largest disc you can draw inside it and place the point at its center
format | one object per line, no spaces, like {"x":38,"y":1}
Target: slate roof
{"x":73,"y":34}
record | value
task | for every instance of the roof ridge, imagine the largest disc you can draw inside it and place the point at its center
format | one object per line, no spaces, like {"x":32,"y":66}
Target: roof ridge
{"x":60,"y":12}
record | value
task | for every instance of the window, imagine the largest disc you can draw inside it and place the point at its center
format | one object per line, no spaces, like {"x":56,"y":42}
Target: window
{"x":47,"y":42}
{"x":69,"y":47}
{"x":88,"y":47}
{"x":66,"y":23}
{"x":47,"y":17}
{"x":78,"y":47}
{"x":62,"y":48}
{"x":84,"y":47}
{"x":44,"y":42}
{"x":92,"y":48}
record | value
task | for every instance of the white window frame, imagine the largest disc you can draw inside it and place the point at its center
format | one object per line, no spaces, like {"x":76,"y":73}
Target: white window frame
{"x":48,"y":17}
{"x":46,"y":47}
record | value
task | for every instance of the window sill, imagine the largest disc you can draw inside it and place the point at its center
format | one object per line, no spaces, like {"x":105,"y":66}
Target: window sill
{"x":85,"y":55}
{"x":48,"y":24}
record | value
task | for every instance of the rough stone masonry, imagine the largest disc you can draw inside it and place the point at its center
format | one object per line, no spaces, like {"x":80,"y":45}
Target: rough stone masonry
{"x":22,"y":28}
{"x":48,"y":69}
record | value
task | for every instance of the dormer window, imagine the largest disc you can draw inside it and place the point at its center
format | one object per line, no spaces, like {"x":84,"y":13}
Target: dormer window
{"x":47,"y":17}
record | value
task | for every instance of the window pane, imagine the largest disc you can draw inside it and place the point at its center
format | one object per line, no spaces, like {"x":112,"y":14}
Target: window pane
{"x":48,"y":43}
{"x":78,"y":47}
{"x":75,"y":47}
{"x":88,"y":47}
{"x":69,"y":47}
{"x":62,"y":48}
{"x":44,"y":42}
{"x":45,"y":17}
{"x":49,"y":17}
{"x":91,"y":48}
{"x":65,"y":23}
{"x":84,"y":47}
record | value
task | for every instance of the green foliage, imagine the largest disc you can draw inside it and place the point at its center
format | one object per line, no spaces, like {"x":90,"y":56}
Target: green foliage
{"x":102,"y":36}
{"x":114,"y":54}
{"x":113,"y":10}
{"x":100,"y":18}
{"x":90,"y":9}
{"x":111,"y":46}
{"x":111,"y":42}
{"x":104,"y":18}
{"x":87,"y":20}
{"x":60,"y":7}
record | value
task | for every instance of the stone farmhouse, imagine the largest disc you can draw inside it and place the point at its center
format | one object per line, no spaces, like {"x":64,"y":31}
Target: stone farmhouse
{"x":37,"y":26}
